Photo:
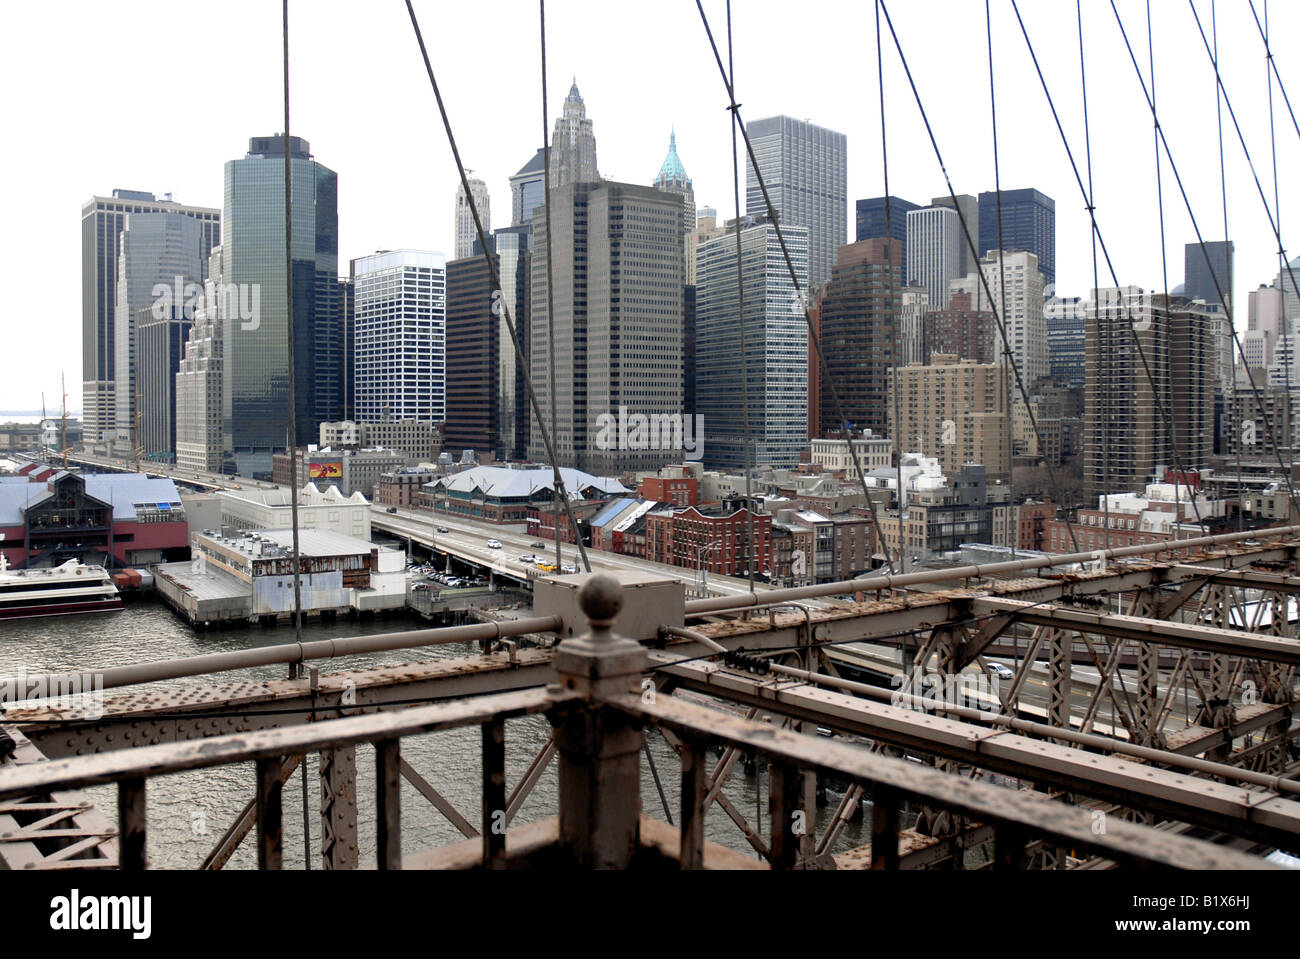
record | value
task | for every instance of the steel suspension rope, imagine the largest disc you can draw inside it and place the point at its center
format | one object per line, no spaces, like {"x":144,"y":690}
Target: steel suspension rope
{"x":496,"y":284}
{"x":813,"y":339}
{"x":998,"y":314}
{"x":1101,"y":242}
{"x":1200,"y":239}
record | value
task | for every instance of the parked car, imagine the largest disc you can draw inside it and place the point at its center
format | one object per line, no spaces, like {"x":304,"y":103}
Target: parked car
{"x":494,"y":544}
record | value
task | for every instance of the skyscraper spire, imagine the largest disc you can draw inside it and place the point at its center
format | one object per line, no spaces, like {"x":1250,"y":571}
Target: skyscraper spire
{"x":573,"y":143}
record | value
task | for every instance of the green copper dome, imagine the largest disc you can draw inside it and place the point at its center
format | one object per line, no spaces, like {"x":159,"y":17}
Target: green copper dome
{"x":672,"y":169}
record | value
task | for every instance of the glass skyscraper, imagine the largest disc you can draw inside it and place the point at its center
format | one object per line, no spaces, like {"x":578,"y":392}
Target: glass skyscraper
{"x":1028,"y":224}
{"x":102,"y":219}
{"x":805,"y":169}
{"x":255,"y":390}
{"x":776,"y":349}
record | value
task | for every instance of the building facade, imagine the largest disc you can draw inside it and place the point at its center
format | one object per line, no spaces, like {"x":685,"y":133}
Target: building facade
{"x":466,"y":233}
{"x":956,"y":411}
{"x":1127,"y":414}
{"x":804,"y":167}
{"x":877,"y":218}
{"x":859,"y":313}
{"x":1028,"y":224}
{"x":618,"y":324}
{"x":775,"y":350}
{"x":255,"y":382}
{"x":102,"y":221}
{"x":933,"y":251}
{"x":399,"y":323}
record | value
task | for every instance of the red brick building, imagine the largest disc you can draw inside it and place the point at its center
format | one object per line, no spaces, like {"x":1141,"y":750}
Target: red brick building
{"x":675,"y":490}
{"x":717,"y":539}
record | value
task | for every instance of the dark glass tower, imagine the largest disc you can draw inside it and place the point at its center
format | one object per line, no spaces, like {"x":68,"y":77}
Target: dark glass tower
{"x":1202,"y":267}
{"x":1028,"y":223}
{"x":255,"y":391}
{"x":873,"y":221}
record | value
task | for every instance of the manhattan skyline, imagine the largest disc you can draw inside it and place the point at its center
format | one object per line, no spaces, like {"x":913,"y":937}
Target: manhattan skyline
{"x":397,"y":186}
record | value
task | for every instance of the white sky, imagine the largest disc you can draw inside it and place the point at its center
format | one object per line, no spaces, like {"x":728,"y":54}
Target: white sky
{"x":157,"y":96}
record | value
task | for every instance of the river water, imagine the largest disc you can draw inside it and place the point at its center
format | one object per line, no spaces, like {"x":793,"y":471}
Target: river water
{"x":188,"y":812}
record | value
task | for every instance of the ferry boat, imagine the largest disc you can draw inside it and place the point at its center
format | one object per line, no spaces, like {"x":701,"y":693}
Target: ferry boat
{"x":57,"y":591}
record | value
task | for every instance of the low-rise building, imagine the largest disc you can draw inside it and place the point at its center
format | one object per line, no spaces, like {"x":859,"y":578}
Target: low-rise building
{"x":251,"y":576}
{"x":106,"y":519}
{"x":716,"y":539}
{"x":402,"y":488}
{"x":417,"y":441}
{"x":497,"y":494}
{"x":325,"y":509}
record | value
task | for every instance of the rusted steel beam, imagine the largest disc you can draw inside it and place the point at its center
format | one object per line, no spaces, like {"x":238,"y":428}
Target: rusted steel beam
{"x":786,"y":816}
{"x":694,"y":781}
{"x":269,"y":812}
{"x":1055,"y":822}
{"x":388,"y":803}
{"x":1162,"y":632}
{"x":1264,"y":817}
{"x":313,"y":737}
{"x":494,"y":794}
{"x":529,"y":779}
{"x":886,"y":807}
{"x":243,"y":824}
{"x":438,"y":801}
{"x":131,"y":816}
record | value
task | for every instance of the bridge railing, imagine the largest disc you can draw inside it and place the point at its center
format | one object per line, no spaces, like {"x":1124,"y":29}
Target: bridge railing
{"x":599,"y":709}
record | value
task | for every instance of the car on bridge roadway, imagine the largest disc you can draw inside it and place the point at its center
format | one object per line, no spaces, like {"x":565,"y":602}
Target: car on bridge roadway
{"x":443,"y":529}
{"x":494,"y":544}
{"x":1000,"y":671}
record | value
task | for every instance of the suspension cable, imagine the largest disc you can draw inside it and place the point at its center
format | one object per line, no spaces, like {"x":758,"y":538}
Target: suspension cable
{"x":1223,"y":300}
{"x":813,"y":339}
{"x":998,"y":314}
{"x":496,"y":284}
{"x":1101,"y":242}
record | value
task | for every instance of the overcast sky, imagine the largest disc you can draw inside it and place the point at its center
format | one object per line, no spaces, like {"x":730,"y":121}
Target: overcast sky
{"x":157,"y":96}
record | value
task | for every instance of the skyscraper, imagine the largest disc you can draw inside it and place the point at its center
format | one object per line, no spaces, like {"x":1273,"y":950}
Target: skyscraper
{"x":1208,"y":271}
{"x":933,"y":251}
{"x":805,"y":170}
{"x":618,"y":272}
{"x":573,"y":144}
{"x":860,"y":313}
{"x":776,"y":349}
{"x":672,"y":178}
{"x":102,"y":219}
{"x":399,"y":332}
{"x":466,"y":234}
{"x":1021,"y":310}
{"x":255,"y":388}
{"x":484,"y":385}
{"x":970,"y":213}
{"x":1066,"y":318}
{"x":158,"y":253}
{"x":160,"y":338}
{"x":1028,"y":223}
{"x":528,"y":189}
{"x":200,"y":440}
{"x":874,"y":219}
{"x":1127,"y":414}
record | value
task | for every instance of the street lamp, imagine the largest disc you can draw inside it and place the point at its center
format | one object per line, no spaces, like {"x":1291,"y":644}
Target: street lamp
{"x":703,"y":581}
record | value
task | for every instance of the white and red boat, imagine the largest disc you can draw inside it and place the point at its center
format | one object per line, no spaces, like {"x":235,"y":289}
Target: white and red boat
{"x":57,"y":591}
